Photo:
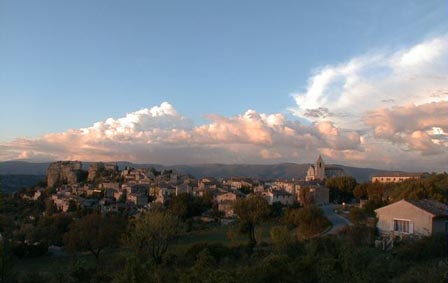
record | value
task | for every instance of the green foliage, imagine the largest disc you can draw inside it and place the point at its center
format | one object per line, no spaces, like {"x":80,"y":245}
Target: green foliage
{"x":360,"y":191}
{"x":151,"y":234}
{"x":341,"y":188}
{"x":281,"y":238}
{"x":276,"y":209}
{"x":134,"y":271}
{"x":359,"y":235}
{"x":186,"y":206}
{"x":273,"y":268}
{"x":309,"y":220}
{"x":6,"y":262}
{"x":424,"y":273}
{"x":305,"y":196}
{"x":251,"y":210}
{"x":51,"y":229}
{"x":94,"y":232}
{"x":218,"y":251}
{"x":432,"y":186}
{"x":79,"y":273}
{"x":418,"y":250}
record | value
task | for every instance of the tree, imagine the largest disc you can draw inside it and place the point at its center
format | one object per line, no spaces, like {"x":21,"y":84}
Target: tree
{"x":94,"y":232}
{"x":186,"y":206}
{"x":152,"y":233}
{"x":341,"y":188}
{"x":309,"y":220}
{"x":305,"y":196}
{"x":281,"y":238}
{"x":360,"y":191}
{"x":50,"y":208}
{"x":6,"y":262}
{"x":251,"y":211}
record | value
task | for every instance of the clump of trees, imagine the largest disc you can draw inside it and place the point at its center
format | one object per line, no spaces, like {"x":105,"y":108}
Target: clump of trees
{"x":150,"y":235}
{"x":94,"y":233}
{"x":431,"y":186}
{"x":187,"y":206}
{"x":309,"y":220}
{"x":341,"y":188}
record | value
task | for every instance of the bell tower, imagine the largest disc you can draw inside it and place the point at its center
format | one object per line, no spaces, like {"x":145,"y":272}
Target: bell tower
{"x":319,"y":168}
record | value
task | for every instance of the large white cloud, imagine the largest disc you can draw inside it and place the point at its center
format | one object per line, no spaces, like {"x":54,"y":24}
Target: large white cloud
{"x":397,"y":100}
{"x":161,"y":135}
{"x":344,"y":92}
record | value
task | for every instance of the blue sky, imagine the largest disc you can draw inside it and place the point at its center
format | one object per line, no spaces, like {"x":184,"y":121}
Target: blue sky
{"x":68,"y":64}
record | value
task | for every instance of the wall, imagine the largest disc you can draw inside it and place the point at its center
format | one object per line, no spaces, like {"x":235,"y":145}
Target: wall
{"x":422,"y":221}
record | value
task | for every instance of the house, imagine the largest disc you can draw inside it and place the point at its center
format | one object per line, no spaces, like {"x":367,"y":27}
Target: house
{"x":228,"y":196}
{"x":62,"y":202}
{"x":394,"y":177}
{"x":420,"y":218}
{"x":320,"y":171}
{"x":280,"y":196}
{"x":290,"y":187}
{"x":208,"y":184}
{"x":137,"y":199}
{"x":226,"y":201}
{"x":184,"y":188}
{"x":226,"y":207}
{"x":163,"y":195}
{"x":110,"y":185}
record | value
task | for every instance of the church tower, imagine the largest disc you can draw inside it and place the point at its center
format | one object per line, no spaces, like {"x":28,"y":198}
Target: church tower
{"x":316,"y":171}
{"x":319,"y":169}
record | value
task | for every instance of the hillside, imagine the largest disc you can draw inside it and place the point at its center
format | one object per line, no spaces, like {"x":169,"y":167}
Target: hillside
{"x":262,"y":172}
{"x":13,"y":183}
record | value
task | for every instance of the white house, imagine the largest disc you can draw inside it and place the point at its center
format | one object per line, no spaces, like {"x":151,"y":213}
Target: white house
{"x":280,"y":196}
{"x":406,"y":217}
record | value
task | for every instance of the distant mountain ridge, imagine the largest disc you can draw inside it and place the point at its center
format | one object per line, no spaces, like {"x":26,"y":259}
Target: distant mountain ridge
{"x":262,"y":172}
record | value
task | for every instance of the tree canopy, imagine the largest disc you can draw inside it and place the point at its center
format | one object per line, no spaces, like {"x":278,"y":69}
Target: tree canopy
{"x":151,"y":234}
{"x":251,"y":210}
{"x":341,"y":187}
{"x":94,"y":232}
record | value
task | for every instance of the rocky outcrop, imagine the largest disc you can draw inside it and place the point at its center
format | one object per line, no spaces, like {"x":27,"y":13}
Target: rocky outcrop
{"x":64,"y":172}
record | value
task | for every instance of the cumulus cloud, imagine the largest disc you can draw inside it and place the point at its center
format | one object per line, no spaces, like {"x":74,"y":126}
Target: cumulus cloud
{"x":421,"y":127}
{"x":418,"y":75}
{"x":396,"y":100}
{"x":162,"y":135}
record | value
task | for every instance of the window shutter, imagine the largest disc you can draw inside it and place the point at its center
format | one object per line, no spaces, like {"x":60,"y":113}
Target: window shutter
{"x":392,"y":225}
{"x":411,"y":227}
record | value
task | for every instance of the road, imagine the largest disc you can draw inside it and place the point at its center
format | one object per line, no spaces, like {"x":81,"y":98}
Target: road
{"x":338,"y":221}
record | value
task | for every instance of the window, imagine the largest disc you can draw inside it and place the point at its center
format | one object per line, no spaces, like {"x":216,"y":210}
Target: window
{"x":402,"y":226}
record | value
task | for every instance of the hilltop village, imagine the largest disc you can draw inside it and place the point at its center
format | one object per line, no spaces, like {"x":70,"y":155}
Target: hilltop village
{"x":107,"y":188}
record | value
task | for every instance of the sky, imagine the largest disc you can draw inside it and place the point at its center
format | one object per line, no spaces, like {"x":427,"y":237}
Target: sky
{"x":363,"y":83}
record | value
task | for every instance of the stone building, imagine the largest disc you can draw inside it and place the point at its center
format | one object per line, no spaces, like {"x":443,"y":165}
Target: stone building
{"x":320,"y":171}
{"x":394,"y":177}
